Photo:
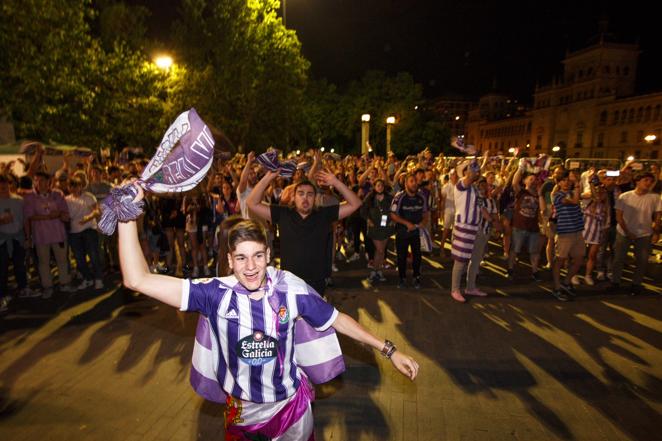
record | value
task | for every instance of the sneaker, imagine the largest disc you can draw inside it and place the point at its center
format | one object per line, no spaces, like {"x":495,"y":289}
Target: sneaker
{"x":569,"y":288}
{"x":601,"y":276}
{"x":575,"y":280}
{"x":48,"y":293}
{"x":635,"y":290}
{"x":589,"y":280}
{"x":510,"y":274}
{"x":373,"y":277}
{"x":27,"y":293}
{"x":402,"y":283}
{"x":4,"y":304}
{"x":536,"y":276}
{"x":458,"y":297}
{"x":381,"y":276}
{"x":334,"y":268}
{"x":560,"y":296}
{"x":353,"y":258}
{"x":371,"y":265}
{"x":98,"y":284}
{"x":196,"y":272}
{"x":475,"y":292}
{"x":83,"y":285}
{"x":69,"y":288}
{"x":417,"y":283}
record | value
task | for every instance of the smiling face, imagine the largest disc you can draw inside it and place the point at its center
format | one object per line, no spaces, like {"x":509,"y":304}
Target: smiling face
{"x":248,"y":262}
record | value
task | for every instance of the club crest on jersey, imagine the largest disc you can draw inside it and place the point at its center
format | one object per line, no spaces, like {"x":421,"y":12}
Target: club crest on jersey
{"x":257,"y":349}
{"x":283,"y":314}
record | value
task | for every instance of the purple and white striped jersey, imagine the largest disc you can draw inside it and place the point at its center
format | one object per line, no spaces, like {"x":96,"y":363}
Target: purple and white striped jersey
{"x":595,"y":221}
{"x":256,"y":343}
{"x":466,"y":205}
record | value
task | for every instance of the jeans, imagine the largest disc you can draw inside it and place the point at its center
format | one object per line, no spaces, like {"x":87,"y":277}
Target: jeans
{"x":18,"y":260}
{"x":642,"y":249}
{"x":404,"y":240}
{"x":86,"y":243}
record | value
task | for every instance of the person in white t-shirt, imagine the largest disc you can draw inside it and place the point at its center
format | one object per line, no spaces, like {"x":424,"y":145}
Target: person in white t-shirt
{"x":83,"y":235}
{"x":638,"y":215}
{"x":447,"y":207}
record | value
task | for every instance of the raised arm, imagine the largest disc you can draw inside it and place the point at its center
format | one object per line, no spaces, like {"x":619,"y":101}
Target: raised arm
{"x":351,"y":328}
{"x":353,"y":202}
{"x":135,"y":272}
{"x":243,"y":181}
{"x":254,"y":200}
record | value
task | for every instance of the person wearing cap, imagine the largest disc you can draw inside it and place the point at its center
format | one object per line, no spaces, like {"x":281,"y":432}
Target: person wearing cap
{"x":569,"y":239}
{"x":638,"y":217}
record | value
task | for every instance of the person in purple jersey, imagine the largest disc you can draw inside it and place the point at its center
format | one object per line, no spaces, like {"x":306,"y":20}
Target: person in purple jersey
{"x":268,"y":395}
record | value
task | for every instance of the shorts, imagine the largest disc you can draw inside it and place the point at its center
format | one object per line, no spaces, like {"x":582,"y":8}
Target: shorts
{"x":449,"y":219}
{"x":520,"y":237}
{"x":570,"y":245}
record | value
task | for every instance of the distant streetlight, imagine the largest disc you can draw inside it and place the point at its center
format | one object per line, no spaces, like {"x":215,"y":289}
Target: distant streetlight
{"x":630,"y":158}
{"x":556,"y":148}
{"x":457,"y":118}
{"x":365,"y":133}
{"x":389,"y":123}
{"x":322,"y":148}
{"x":528,"y":145}
{"x":298,"y":152}
{"x":650,"y":138}
{"x":415,"y":107}
{"x":163,"y":62}
{"x":511,"y":150}
{"x":333,"y":150}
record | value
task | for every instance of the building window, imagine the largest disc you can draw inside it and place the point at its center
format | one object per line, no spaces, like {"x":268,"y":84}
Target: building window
{"x":640,"y":136}
{"x":631,"y":118}
{"x":607,"y":69}
{"x":640,"y":114}
{"x":647,"y":113}
{"x":626,"y":70}
{"x":580,"y":136}
{"x":538,"y":142}
{"x":656,"y":113}
{"x":654,"y":154}
{"x":624,"y":136}
{"x":615,"y":120}
{"x":624,"y":115}
{"x":603,"y":117}
{"x":601,"y":139}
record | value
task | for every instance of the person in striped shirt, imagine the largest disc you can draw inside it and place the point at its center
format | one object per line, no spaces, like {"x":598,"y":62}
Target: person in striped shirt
{"x":596,"y":223}
{"x":268,"y":395}
{"x":569,"y":241}
{"x":468,"y":218}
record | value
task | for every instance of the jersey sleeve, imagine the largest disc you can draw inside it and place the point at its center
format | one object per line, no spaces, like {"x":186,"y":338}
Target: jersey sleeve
{"x":331,"y":213}
{"x":201,"y":295}
{"x":313,"y":309}
{"x":275,"y":212}
{"x":395,"y":203}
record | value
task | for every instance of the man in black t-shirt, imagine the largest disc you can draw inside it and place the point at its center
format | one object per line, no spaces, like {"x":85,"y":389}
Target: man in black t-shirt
{"x":409,"y":210}
{"x":305,"y":230}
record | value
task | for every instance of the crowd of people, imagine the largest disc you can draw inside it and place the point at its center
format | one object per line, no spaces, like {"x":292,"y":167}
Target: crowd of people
{"x":577,"y":224}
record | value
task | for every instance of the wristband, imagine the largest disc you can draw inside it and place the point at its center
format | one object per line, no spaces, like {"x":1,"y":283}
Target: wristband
{"x":388,"y":349}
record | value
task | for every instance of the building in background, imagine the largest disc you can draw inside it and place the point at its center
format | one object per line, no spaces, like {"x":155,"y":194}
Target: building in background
{"x":590,"y":111}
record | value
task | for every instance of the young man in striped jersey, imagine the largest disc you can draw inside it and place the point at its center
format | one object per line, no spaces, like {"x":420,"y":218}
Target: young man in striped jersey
{"x":569,"y":240}
{"x":268,"y":395}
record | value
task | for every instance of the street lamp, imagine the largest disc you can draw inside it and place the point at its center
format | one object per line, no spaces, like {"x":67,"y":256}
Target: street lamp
{"x":457,"y":118}
{"x":630,"y":158}
{"x":365,"y":132}
{"x":511,"y":150}
{"x":556,"y":148}
{"x":650,"y":138}
{"x":389,"y":123}
{"x":163,"y":62}
{"x":322,"y":149}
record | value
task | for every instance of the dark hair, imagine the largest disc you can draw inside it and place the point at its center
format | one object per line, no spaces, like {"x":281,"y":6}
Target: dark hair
{"x":77,"y":182}
{"x":25,"y":182}
{"x":304,"y":182}
{"x":4,"y":179}
{"x":246,"y":231}
{"x":643,"y":175}
{"x":563,"y":176}
{"x":42,"y":174}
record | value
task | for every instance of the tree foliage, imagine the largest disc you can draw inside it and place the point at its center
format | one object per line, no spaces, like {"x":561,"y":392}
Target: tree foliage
{"x":246,"y":70}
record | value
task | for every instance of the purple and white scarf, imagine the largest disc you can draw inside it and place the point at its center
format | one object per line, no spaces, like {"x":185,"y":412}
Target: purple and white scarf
{"x":269,"y":160}
{"x":181,"y":161}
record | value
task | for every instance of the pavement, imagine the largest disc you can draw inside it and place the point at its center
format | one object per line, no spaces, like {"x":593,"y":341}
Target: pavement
{"x":516,"y":365}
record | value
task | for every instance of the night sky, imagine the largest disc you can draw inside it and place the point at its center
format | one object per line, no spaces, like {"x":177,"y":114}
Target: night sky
{"x":459,"y":47}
